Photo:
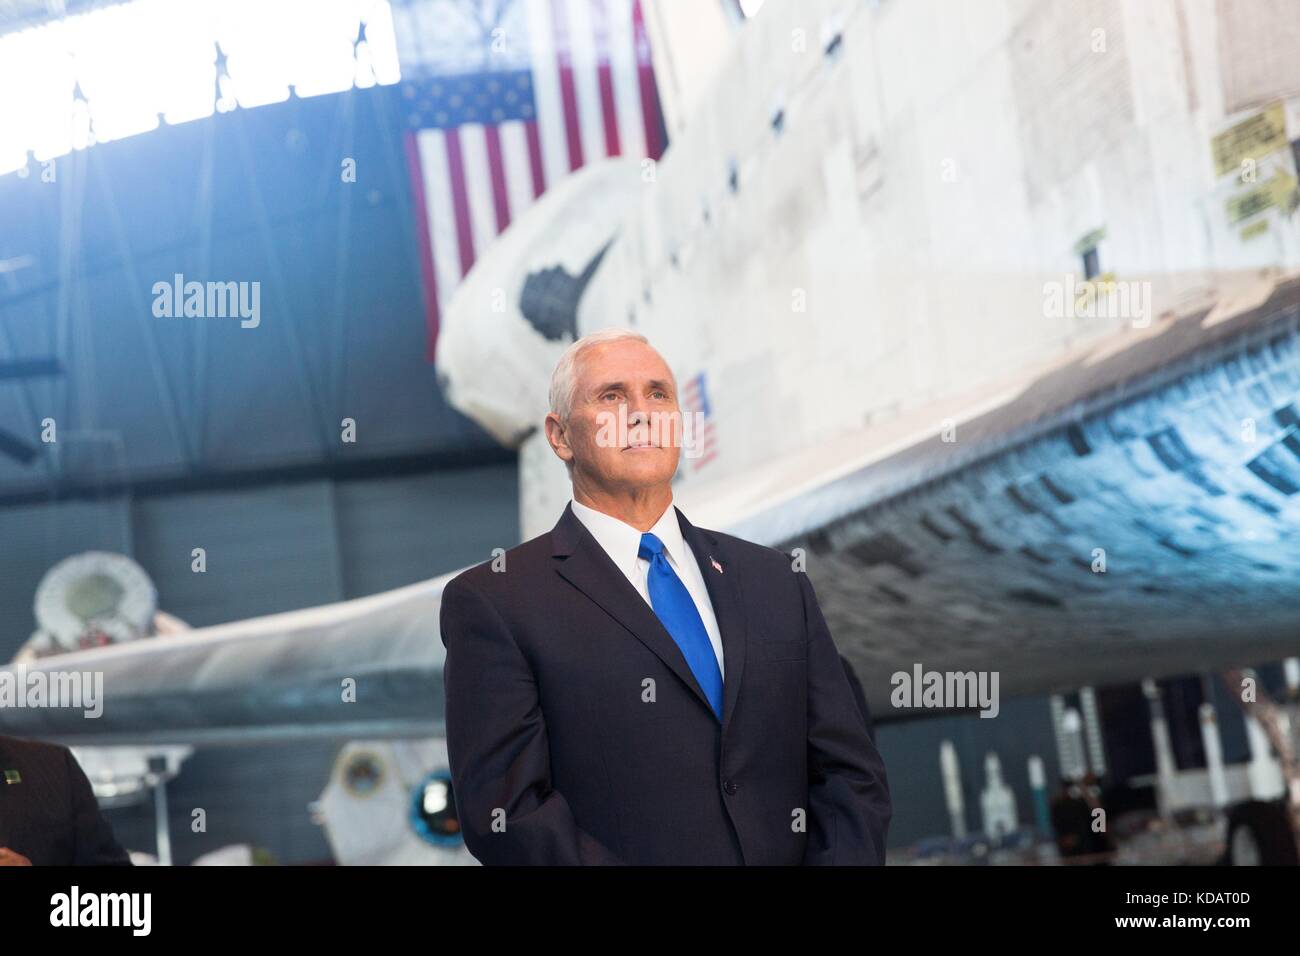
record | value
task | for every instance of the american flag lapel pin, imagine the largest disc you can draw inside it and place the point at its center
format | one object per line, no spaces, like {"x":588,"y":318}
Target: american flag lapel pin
{"x":714,"y":561}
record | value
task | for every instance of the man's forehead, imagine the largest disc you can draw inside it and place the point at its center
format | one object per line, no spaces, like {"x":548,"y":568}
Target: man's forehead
{"x":623,"y":361}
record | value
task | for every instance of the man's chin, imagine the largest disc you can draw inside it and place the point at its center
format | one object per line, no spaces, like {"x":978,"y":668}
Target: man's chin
{"x":644,"y":468}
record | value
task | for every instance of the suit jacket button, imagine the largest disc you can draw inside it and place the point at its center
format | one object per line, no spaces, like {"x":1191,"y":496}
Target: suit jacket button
{"x":729,"y":786}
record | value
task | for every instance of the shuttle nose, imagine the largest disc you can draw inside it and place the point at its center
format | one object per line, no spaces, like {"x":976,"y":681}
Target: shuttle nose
{"x":506,"y":324}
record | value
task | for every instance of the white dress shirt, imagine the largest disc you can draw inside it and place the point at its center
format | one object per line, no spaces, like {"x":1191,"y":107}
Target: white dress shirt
{"x":622,"y":543}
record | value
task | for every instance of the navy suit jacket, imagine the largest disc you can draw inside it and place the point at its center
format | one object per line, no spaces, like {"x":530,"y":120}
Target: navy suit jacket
{"x":50,"y":814}
{"x":577,"y":734}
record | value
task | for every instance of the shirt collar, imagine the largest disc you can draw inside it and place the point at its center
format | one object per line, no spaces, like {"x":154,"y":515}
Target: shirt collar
{"x":622,"y":542}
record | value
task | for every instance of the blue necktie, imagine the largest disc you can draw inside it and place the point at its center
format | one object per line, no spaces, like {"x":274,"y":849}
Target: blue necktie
{"x":673,"y":603}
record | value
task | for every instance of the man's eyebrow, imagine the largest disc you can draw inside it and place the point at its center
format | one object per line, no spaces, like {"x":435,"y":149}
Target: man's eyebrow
{"x":622,"y":386}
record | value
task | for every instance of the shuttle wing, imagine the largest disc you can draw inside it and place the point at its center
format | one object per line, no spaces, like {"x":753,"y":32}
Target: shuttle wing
{"x":359,"y":669}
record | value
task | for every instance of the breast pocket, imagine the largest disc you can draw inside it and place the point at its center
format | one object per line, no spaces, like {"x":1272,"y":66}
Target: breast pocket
{"x":775,"y":651}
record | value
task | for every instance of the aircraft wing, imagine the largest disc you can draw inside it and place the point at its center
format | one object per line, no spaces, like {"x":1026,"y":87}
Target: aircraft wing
{"x":365,"y":668}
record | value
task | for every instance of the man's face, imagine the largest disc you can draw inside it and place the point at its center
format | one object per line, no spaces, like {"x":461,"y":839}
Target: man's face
{"x":623,"y":430}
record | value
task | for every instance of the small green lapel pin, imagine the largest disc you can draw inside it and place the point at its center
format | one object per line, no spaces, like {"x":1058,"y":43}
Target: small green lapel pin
{"x":13,"y":776}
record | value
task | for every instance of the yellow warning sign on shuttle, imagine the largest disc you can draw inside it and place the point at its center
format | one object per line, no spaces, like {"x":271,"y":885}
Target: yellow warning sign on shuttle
{"x":1252,"y":138}
{"x":1278,"y":191}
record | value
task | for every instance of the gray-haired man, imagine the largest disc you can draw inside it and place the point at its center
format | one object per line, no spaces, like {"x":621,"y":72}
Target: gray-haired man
{"x":633,"y":689}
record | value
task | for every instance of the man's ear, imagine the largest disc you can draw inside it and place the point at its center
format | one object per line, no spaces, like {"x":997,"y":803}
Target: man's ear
{"x":557,"y":437}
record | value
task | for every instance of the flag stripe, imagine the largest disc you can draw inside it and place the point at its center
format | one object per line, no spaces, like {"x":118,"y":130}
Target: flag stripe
{"x":441,"y":212}
{"x":497,"y":170}
{"x":515,"y":162}
{"x":568,"y":94}
{"x":582,"y":48}
{"x":550,"y":128}
{"x":459,"y":200}
{"x":627,"y":92}
{"x":424,"y":239}
{"x":535,"y":158}
{"x":646,"y":81}
{"x":478,"y":187}
{"x":604,"y":73}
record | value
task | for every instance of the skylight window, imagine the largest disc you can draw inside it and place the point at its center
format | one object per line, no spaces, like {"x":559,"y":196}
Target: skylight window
{"x":122,"y":70}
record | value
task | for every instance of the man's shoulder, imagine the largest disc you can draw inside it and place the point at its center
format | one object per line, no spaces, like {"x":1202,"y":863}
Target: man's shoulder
{"x":32,"y":751}
{"x":505,"y":568}
{"x":750,"y":554}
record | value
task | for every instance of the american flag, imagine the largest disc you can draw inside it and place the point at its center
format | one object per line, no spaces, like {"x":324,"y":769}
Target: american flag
{"x":502,"y":100}
{"x":695,"y":404}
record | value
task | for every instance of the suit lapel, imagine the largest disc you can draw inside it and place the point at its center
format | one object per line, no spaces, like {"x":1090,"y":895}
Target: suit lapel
{"x":728,"y":608}
{"x":583,"y":563}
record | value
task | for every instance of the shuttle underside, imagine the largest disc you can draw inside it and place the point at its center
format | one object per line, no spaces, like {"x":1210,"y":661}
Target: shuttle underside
{"x":1102,"y":525}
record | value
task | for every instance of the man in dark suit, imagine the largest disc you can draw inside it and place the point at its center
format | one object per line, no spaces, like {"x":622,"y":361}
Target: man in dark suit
{"x":48,"y":813}
{"x":859,"y":696}
{"x":631,"y":689}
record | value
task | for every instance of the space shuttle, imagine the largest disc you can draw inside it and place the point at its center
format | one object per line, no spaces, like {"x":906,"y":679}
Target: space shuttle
{"x":989,"y":311}
{"x":989,"y":314}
